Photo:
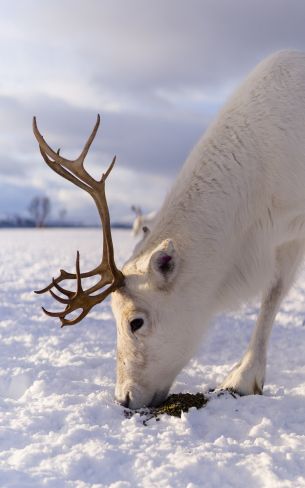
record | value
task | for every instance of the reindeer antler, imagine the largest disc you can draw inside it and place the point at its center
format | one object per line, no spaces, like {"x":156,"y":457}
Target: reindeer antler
{"x":74,"y":171}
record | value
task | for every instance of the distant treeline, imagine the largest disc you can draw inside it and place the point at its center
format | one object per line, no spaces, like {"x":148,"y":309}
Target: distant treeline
{"x":19,"y":222}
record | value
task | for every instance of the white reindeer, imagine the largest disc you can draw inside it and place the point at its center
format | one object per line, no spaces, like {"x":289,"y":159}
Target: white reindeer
{"x":232,"y":227}
{"x":142,"y":222}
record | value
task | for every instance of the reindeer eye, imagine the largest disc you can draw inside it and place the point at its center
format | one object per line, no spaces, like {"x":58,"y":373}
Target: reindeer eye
{"x":136,"y":324}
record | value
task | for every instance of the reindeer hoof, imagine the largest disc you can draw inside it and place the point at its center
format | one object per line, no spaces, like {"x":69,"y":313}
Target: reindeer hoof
{"x":244,"y":381}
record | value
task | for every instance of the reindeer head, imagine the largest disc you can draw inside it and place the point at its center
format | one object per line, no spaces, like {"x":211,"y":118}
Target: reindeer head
{"x":145,"y":370}
{"x":158,"y":324}
{"x":150,"y":352}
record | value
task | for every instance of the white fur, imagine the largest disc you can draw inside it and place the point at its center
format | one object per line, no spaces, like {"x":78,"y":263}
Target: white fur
{"x":142,"y":222}
{"x":233,"y":226}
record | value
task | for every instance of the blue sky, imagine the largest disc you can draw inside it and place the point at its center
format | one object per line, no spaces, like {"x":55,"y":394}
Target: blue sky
{"x":157,"y":72}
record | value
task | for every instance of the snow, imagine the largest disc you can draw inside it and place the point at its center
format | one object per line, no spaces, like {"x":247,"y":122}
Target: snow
{"x":59,"y":424}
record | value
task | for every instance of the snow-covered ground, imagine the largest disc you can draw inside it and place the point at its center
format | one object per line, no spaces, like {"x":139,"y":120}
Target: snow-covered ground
{"x":59,"y":425}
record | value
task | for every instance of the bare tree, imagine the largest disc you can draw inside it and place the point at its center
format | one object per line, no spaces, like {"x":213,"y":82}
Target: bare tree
{"x":39,"y":209}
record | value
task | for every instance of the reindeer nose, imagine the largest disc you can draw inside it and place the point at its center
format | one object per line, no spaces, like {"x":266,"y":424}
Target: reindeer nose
{"x":125,"y":402}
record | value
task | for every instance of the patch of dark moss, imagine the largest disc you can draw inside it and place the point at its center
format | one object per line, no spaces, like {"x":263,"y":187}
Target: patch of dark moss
{"x":181,"y":402}
{"x":174,"y":405}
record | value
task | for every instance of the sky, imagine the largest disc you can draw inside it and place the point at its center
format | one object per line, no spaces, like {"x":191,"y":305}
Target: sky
{"x":157,"y":72}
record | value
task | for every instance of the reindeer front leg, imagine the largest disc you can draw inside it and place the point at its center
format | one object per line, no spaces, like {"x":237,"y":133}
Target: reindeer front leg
{"x":248,"y":376}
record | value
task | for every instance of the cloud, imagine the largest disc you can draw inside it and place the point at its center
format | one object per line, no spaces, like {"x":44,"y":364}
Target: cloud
{"x":156,"y":71}
{"x":138,"y":44}
{"x":135,"y":47}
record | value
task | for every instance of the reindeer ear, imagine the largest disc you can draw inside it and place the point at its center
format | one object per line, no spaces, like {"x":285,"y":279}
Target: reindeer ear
{"x":163,"y":263}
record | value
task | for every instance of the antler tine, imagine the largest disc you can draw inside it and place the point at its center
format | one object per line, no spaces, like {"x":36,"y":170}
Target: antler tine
{"x":60,"y":170}
{"x":55,"y":154}
{"x":62,"y":290}
{"x":65,"y":301}
{"x":54,"y":283}
{"x":53,"y":314}
{"x":105,"y":175}
{"x":78,"y":277}
{"x":65,"y":321}
{"x":44,"y":145}
{"x":89,"y":141}
{"x":72,"y":170}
